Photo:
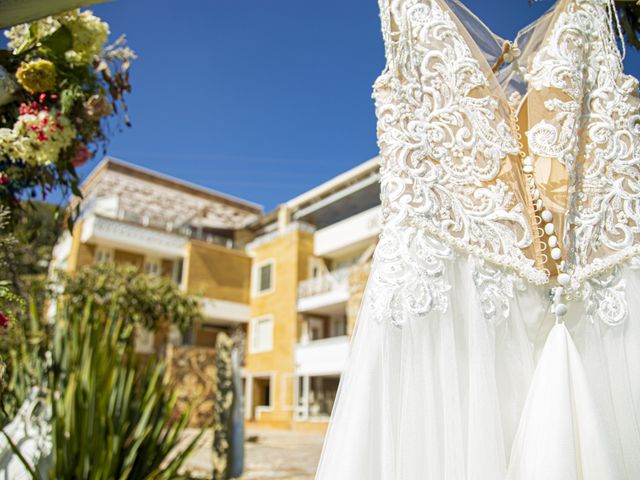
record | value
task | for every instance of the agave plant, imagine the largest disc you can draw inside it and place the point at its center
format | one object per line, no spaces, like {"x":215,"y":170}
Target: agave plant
{"x":14,"y":12}
{"x":112,"y":415}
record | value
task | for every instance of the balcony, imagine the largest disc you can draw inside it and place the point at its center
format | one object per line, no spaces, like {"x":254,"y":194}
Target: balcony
{"x":348,"y":235}
{"x":323,"y":293}
{"x":322,"y":357}
{"x":132,"y":237}
{"x":224,"y":312}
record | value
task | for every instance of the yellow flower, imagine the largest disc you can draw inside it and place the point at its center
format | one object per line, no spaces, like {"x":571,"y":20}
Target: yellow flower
{"x":37,"y":76}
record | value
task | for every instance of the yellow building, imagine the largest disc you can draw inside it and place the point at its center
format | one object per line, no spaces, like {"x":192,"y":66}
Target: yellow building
{"x":310,"y":264}
{"x":167,"y":227}
{"x":292,"y":279}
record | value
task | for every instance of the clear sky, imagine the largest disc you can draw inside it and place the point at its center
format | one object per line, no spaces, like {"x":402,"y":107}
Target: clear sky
{"x":262,"y":99}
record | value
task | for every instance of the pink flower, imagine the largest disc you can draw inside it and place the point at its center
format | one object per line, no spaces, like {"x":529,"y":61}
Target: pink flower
{"x":4,"y":321}
{"x":81,"y":156}
{"x":4,"y":179}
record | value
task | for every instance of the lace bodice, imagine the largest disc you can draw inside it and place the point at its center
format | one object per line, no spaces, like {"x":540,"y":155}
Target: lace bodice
{"x":452,"y":144}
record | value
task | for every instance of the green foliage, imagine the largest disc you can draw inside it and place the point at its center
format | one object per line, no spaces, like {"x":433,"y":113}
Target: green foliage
{"x":25,"y":252}
{"x":69,"y":98}
{"x":112,"y":416}
{"x":7,"y":242}
{"x":34,"y":231}
{"x":143,"y":299}
{"x":10,"y":304}
{"x":24,"y":348}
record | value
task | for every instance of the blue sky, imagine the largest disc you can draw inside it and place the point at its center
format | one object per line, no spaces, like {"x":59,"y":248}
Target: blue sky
{"x":262,"y":99}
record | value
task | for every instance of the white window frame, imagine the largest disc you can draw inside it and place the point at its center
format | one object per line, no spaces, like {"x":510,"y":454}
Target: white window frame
{"x":255,"y":281}
{"x":252,"y":334}
{"x":248,"y":394}
{"x":155,"y":261}
{"x":107,"y":255}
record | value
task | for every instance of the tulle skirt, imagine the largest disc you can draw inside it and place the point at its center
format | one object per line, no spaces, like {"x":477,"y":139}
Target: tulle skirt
{"x":457,"y":397}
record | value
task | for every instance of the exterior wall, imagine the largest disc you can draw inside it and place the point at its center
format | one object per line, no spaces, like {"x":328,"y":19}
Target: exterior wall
{"x":290,"y":252}
{"x":214,"y":271}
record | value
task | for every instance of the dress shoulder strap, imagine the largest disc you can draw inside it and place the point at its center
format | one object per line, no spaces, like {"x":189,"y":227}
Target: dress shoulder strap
{"x":387,"y":33}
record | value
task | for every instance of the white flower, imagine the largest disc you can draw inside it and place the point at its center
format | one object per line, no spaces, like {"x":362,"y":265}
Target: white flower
{"x":20,"y":34}
{"x":89,"y":34}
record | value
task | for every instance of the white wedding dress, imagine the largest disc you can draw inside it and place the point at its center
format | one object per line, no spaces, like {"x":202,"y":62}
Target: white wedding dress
{"x":499,"y":334}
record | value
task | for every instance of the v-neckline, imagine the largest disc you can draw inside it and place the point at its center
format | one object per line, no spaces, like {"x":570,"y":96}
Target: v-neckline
{"x":553,"y":7}
{"x":473,"y":44}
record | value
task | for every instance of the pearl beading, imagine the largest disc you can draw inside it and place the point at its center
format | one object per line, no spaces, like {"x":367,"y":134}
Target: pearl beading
{"x":543,"y":217}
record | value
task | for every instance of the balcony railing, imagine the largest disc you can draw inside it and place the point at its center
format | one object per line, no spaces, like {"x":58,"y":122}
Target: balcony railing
{"x":154,"y":223}
{"x":335,"y":280}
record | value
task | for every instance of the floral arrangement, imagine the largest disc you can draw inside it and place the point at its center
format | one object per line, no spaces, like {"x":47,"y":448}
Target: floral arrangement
{"x":61,"y":88}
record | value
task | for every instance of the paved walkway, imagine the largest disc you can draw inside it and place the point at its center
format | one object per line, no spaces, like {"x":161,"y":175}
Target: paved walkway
{"x":269,"y":454}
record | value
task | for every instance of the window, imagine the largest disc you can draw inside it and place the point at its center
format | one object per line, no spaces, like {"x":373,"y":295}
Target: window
{"x":338,"y":327}
{"x":259,"y":395}
{"x":178,"y":266}
{"x":263,"y":278}
{"x":316,"y":328}
{"x":152,"y":267}
{"x":261,"y":334}
{"x":104,"y":255}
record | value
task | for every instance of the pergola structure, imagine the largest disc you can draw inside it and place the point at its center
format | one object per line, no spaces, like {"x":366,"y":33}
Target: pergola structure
{"x":131,"y":193}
